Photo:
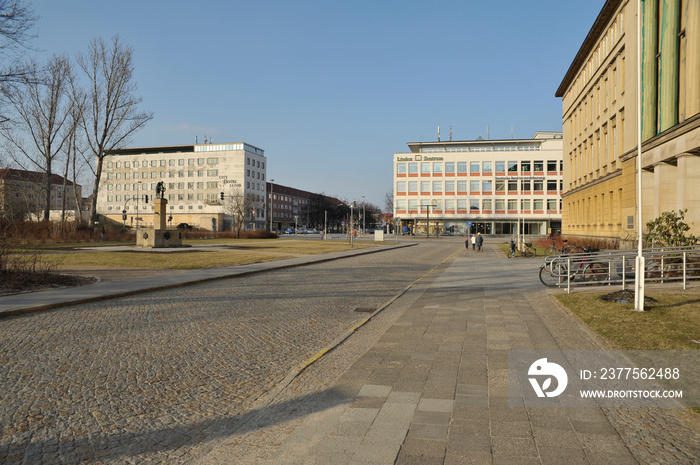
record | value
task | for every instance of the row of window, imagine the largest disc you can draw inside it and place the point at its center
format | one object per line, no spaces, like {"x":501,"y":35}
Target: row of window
{"x":482,"y":148}
{"x":179,"y":185}
{"x":452,"y":205}
{"x":500,"y":185}
{"x":480,"y":167}
{"x":172,"y":162}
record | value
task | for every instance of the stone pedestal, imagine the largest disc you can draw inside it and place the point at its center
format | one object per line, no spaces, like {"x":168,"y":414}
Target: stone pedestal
{"x":153,"y":238}
{"x":159,"y":236}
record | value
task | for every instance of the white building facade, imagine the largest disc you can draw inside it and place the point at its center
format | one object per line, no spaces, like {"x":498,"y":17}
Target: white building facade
{"x":487,"y":186}
{"x":199,"y":181}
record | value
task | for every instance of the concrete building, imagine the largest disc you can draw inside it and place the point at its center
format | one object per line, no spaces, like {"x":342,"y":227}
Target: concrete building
{"x":23,"y":195}
{"x":205,"y":185}
{"x":492,"y":184}
{"x":599,"y":96}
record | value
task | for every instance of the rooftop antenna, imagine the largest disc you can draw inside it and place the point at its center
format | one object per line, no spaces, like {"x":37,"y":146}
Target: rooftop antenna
{"x":511,"y":131}
{"x":450,"y":133}
{"x":488,"y":135}
{"x":205,"y":139}
{"x":438,"y":133}
{"x":196,"y":140}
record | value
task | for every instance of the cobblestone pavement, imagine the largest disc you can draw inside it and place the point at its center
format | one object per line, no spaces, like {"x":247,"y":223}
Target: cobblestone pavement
{"x":149,"y":378}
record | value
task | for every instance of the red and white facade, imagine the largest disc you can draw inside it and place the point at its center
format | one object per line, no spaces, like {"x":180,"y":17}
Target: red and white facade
{"x":486,"y":186}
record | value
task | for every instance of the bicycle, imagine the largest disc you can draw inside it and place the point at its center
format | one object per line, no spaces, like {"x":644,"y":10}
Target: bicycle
{"x":528,"y":251}
{"x":556,"y":271}
{"x":566,"y":249}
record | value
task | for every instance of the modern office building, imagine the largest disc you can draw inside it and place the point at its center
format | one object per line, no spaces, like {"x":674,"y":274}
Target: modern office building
{"x":205,"y":185}
{"x":23,"y":195}
{"x":599,"y":96}
{"x":486,"y":186}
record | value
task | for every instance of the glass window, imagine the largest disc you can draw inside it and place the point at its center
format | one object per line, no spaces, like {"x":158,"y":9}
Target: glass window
{"x":551,"y":165}
{"x":449,"y":205}
{"x":487,"y":204}
{"x":487,"y":186}
{"x":512,"y":204}
{"x":474,"y":186}
{"x":512,"y":166}
{"x":525,"y":185}
{"x":474,"y":167}
{"x":461,"y":204}
{"x":525,"y":166}
{"x":551,"y":204}
{"x":500,"y":167}
{"x":437,"y":186}
{"x":413,"y":186}
{"x":538,"y":204}
{"x":487,"y":165}
{"x":413,"y":168}
{"x":449,"y":167}
{"x":538,"y":185}
{"x":551,"y":184}
{"x":500,"y":185}
{"x":401,"y":186}
{"x":500,"y":204}
{"x":425,"y":186}
{"x":538,"y":165}
{"x":162,"y":163}
{"x":437,"y":168}
{"x":461,"y":186}
{"x":474,"y":204}
{"x":171,"y":162}
{"x":154,"y":162}
{"x":449,"y":186}
{"x":461,"y":167}
{"x":136,"y":164}
{"x":425,"y":167}
{"x":413,"y":204}
{"x":525,"y":204}
{"x":401,"y":168}
{"x":401,"y":204}
{"x":512,"y":185}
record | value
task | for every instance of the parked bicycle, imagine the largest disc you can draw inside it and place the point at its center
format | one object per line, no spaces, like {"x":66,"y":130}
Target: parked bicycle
{"x":565,"y":249}
{"x":528,"y":251}
{"x":557,"y":270}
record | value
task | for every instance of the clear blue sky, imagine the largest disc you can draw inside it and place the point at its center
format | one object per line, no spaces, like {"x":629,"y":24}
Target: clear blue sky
{"x":332,"y":89}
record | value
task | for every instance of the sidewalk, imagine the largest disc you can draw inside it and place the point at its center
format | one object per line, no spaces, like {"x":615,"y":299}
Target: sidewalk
{"x":17,"y":304}
{"x":433,"y":389}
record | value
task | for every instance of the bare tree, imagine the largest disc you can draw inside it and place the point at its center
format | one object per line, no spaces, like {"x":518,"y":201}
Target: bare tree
{"x":111,"y":113}
{"x":42,"y":107}
{"x":237,"y":205}
{"x":389,"y":201}
{"x":16,"y":19}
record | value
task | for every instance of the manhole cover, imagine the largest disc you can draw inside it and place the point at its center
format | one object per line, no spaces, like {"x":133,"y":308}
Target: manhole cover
{"x":365,"y":310}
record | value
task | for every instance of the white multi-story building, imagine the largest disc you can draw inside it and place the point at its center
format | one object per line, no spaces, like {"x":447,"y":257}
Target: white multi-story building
{"x":486,"y":186}
{"x":200,"y":182}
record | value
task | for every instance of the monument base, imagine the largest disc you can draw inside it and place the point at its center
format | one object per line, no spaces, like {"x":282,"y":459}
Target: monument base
{"x":154,"y":238}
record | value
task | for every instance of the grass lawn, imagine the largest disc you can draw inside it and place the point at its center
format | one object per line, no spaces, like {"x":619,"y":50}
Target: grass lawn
{"x":671,"y":323}
{"x":241,"y":252}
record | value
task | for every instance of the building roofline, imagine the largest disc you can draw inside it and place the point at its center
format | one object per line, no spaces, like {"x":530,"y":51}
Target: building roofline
{"x":598,"y":26}
{"x":169,"y":149}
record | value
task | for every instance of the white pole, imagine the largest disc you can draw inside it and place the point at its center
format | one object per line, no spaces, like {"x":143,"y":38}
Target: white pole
{"x":639,"y":275}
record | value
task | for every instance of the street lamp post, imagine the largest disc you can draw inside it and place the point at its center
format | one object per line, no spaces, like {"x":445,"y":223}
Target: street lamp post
{"x":272,"y":200}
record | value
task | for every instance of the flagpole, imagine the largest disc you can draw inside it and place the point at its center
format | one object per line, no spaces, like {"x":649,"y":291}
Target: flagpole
{"x":640,"y":270}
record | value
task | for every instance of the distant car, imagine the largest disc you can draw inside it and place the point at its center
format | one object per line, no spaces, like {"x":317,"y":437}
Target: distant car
{"x":289,"y":231}
{"x":312,"y":231}
{"x":185,"y":226}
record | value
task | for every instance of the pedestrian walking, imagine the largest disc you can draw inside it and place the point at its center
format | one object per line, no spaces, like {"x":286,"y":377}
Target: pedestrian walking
{"x":473,"y":242}
{"x":479,"y":241}
{"x":466,"y":243}
{"x":512,"y":248}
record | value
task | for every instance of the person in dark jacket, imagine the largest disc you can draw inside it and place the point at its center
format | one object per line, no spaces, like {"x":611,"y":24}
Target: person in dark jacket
{"x":479,"y":241}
